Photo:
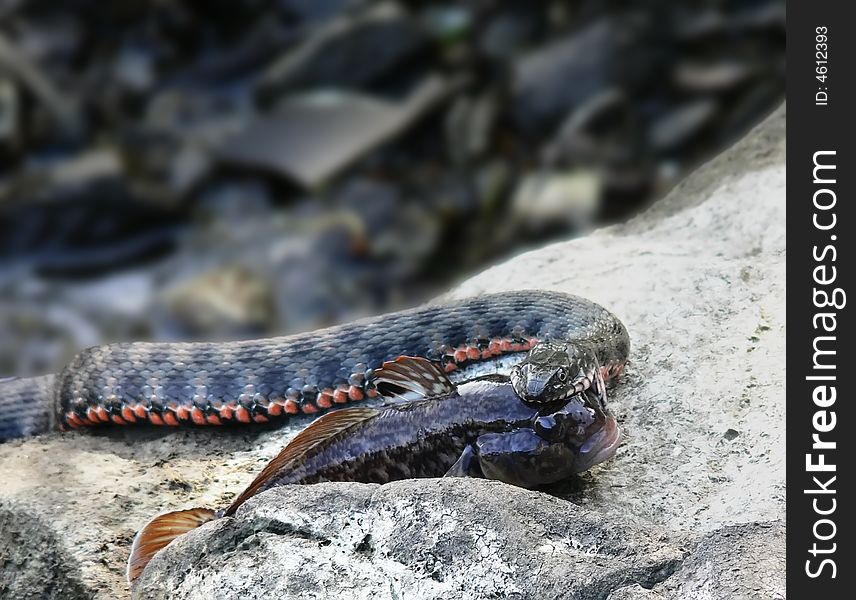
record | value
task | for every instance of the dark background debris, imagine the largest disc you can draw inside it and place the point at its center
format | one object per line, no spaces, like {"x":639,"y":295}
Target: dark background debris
{"x":213,"y":170}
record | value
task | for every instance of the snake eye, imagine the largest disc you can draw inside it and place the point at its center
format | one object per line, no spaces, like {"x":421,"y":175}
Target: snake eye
{"x":563,"y":375}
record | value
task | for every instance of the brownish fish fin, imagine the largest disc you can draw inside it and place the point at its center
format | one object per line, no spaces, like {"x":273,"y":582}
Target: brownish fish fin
{"x":412,"y":378}
{"x":316,"y":433}
{"x":159,"y":532}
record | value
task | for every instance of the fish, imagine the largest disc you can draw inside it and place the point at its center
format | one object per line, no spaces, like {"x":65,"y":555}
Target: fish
{"x":429,"y":427}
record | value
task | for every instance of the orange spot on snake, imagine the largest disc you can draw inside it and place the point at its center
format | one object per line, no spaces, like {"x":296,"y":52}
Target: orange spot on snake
{"x":450,"y":366}
{"x":226,"y":413}
{"x":72,"y":420}
{"x":460,"y":355}
{"x":118,"y":420}
{"x":355,"y":393}
{"x":473,"y":353}
{"x":102,"y":414}
{"x":292,"y":407}
{"x":198,"y":416}
{"x":213,"y":419}
{"x":340,"y":396}
{"x":155,"y":418}
{"x":309,"y":408}
{"x":169,"y":418}
{"x":275,"y":408}
{"x":128,"y":414}
{"x":242,"y":414}
{"x":182,"y":412}
{"x":141,"y":411}
{"x":325,"y":400}
{"x":260,"y":418}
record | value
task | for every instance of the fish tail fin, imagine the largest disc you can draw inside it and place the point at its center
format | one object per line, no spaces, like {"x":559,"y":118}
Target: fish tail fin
{"x":159,"y":532}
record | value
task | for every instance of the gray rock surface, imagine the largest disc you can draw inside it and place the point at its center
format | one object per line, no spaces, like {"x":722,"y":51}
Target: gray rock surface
{"x":738,"y":561}
{"x":440,"y":538}
{"x":692,"y":506}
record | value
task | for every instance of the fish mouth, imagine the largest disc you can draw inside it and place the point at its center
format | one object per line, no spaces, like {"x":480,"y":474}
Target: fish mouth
{"x":600,"y":446}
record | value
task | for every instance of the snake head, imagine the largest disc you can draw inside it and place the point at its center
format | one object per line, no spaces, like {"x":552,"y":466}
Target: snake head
{"x":556,"y":371}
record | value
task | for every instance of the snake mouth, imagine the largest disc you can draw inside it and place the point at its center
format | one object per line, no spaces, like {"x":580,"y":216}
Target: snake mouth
{"x":600,"y":446}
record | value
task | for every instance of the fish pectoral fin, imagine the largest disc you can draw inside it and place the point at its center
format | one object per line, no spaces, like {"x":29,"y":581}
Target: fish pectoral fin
{"x":318,"y":432}
{"x":411,"y":378}
{"x":466,"y":466}
{"x":159,"y":532}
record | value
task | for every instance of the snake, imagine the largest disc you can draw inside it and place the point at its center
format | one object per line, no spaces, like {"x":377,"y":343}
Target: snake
{"x":271,"y":380}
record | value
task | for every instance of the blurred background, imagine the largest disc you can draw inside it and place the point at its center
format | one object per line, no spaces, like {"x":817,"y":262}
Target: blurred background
{"x":185,"y":170}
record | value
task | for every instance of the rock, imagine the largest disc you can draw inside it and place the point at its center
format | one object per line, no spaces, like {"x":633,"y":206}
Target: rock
{"x":550,"y":201}
{"x":679,"y":125}
{"x":703,"y":78}
{"x":602,"y":130}
{"x":25,"y":575}
{"x":504,"y":34}
{"x":447,"y":23}
{"x":80,"y":216}
{"x":392,"y":228}
{"x":316,"y":10}
{"x":226,"y":303}
{"x":691,"y":25}
{"x":9,"y":114}
{"x":550,"y":82}
{"x":134,"y":70}
{"x":81,"y":170}
{"x":468,"y":127}
{"x":346,"y":52}
{"x":62,"y":107}
{"x":740,"y":562}
{"x":694,"y":278}
{"x":410,"y":539}
{"x":31,"y":341}
{"x":764,"y":16}
{"x":311,"y":137}
{"x":752,"y":101}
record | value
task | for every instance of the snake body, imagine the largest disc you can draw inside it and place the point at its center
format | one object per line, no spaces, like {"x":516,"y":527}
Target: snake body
{"x":266,"y":380}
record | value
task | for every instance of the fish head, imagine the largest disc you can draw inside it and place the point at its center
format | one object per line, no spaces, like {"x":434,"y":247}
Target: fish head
{"x":522,"y":458}
{"x":582,"y":424}
{"x":555,"y":371}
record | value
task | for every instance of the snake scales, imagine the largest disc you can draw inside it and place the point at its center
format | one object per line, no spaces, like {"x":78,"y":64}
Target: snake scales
{"x":267,"y":380}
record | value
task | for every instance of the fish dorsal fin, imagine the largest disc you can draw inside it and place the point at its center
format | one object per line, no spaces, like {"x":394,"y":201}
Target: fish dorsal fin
{"x":159,"y":532}
{"x":315,"y":434}
{"x":411,"y":378}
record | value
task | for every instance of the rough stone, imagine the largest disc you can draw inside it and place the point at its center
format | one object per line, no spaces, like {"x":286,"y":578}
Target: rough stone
{"x":699,"y":281}
{"x":442,"y":538}
{"x":738,"y":562}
